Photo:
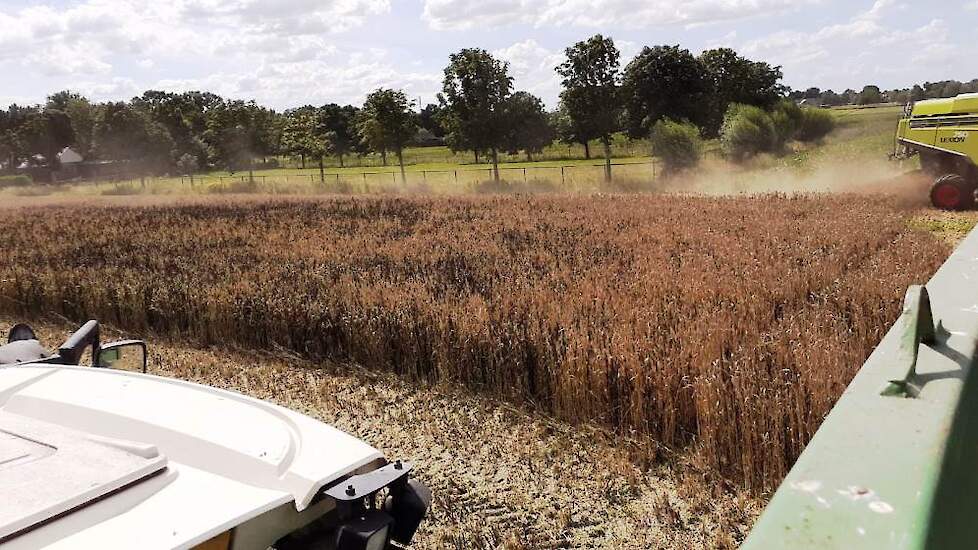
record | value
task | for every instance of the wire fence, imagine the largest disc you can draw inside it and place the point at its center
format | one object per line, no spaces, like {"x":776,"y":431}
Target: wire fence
{"x":443,"y":155}
{"x":564,"y":176}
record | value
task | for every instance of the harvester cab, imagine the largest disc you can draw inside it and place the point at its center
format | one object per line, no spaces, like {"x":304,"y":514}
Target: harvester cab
{"x":944,"y":133}
{"x":106,"y":456}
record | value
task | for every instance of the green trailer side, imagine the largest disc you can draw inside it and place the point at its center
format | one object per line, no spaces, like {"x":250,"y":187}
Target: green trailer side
{"x":895,"y":464}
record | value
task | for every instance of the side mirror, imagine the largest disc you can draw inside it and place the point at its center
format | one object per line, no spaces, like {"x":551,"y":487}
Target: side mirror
{"x":127,"y":355}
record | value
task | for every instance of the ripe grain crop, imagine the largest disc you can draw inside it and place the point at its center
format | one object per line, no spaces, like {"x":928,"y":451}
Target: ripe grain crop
{"x":727,"y":327}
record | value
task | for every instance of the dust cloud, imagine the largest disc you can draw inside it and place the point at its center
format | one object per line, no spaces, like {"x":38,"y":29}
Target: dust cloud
{"x":875,"y":177}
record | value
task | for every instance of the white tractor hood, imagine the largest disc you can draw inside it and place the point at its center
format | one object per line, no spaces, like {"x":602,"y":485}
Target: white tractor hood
{"x":112,"y":459}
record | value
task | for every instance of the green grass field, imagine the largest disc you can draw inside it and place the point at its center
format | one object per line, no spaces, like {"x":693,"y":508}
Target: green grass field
{"x":863,"y":133}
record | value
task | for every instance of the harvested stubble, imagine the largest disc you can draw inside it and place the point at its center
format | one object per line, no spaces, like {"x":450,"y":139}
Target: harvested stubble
{"x":726,"y":326}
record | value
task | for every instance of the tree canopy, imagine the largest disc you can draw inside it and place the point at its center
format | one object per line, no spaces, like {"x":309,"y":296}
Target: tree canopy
{"x":387,"y":123}
{"x":476,"y":87}
{"x":528,"y":126}
{"x":666,"y":81}
{"x":591,"y":97}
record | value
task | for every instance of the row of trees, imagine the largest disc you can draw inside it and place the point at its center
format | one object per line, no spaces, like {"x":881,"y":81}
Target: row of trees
{"x":478,"y":110}
{"x":599,"y":97}
{"x":873,"y":94}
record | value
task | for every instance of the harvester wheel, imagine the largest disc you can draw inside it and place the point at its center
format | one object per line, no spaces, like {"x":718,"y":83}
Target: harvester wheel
{"x":952,"y":192}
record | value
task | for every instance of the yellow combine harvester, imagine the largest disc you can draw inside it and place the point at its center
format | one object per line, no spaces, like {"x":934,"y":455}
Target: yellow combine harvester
{"x":942,"y":131}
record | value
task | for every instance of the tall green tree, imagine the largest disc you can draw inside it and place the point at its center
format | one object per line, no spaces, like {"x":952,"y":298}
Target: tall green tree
{"x":82,"y":113}
{"x":125,"y":133}
{"x":568,"y":131}
{"x":665,"y":82}
{"x":591,"y":95}
{"x":870,"y":95}
{"x":237,"y":132}
{"x":430,"y":119}
{"x":46,"y":132}
{"x":182,"y":116}
{"x":387,"y":124}
{"x":12,"y":147}
{"x":305,"y":133}
{"x":476,"y":86}
{"x":528,"y":125}
{"x":295,"y":131}
{"x":736,"y":79}
{"x":341,"y":121}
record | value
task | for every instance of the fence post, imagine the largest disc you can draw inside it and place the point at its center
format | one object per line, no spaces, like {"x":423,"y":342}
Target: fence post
{"x":561,"y":175}
{"x":456,"y":177}
{"x":524,"y":175}
{"x":424,"y":175}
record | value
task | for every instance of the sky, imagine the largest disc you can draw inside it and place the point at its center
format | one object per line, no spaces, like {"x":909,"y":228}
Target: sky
{"x":287,"y":53}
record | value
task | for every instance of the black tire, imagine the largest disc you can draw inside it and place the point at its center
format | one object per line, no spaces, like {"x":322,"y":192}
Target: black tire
{"x":952,"y":192}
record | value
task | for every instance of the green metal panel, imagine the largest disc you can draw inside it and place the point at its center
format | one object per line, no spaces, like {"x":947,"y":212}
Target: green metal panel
{"x":947,"y":125}
{"x":962,"y":104}
{"x":894,"y":464}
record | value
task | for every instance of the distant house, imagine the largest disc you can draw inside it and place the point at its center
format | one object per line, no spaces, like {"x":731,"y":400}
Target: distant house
{"x":69,"y":156}
{"x":70,"y":164}
{"x":813,"y":102}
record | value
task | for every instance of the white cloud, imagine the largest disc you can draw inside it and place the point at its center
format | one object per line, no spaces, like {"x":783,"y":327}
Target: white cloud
{"x":468,"y":14}
{"x":313,"y":81}
{"x":533,"y":68}
{"x":858,"y":51}
{"x":105,"y":40}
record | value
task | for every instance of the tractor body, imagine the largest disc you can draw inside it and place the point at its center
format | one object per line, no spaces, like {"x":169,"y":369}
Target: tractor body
{"x":944,"y":133}
{"x":105,"y":456}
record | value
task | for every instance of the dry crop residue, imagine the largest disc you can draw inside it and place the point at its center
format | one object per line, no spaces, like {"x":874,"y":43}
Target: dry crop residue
{"x":724,"y":328}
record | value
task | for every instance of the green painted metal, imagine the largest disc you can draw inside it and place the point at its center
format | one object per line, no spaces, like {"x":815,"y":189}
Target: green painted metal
{"x":895,"y":464}
{"x":943,"y":125}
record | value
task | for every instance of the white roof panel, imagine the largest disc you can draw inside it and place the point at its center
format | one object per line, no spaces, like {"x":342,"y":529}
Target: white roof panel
{"x":47,"y":470}
{"x":228,"y":457}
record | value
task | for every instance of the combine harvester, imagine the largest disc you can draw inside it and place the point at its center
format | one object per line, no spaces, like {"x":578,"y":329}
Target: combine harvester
{"x":944,"y":132}
{"x":101,"y":457}
{"x":894,"y":464}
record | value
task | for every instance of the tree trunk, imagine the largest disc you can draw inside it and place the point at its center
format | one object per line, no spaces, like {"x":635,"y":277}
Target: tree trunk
{"x":303,"y":157}
{"x":342,"y":164}
{"x":529,"y":156}
{"x":495,"y":165}
{"x":606,"y":140}
{"x":383,"y":157}
{"x":322,"y":174}
{"x":476,"y":156}
{"x":400,"y":159}
{"x":587,"y":150}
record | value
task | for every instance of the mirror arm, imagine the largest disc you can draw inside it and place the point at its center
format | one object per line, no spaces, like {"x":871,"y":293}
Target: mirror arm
{"x":74,"y":347}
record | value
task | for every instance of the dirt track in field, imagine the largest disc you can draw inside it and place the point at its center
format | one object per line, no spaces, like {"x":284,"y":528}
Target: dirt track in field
{"x":502,"y":477}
